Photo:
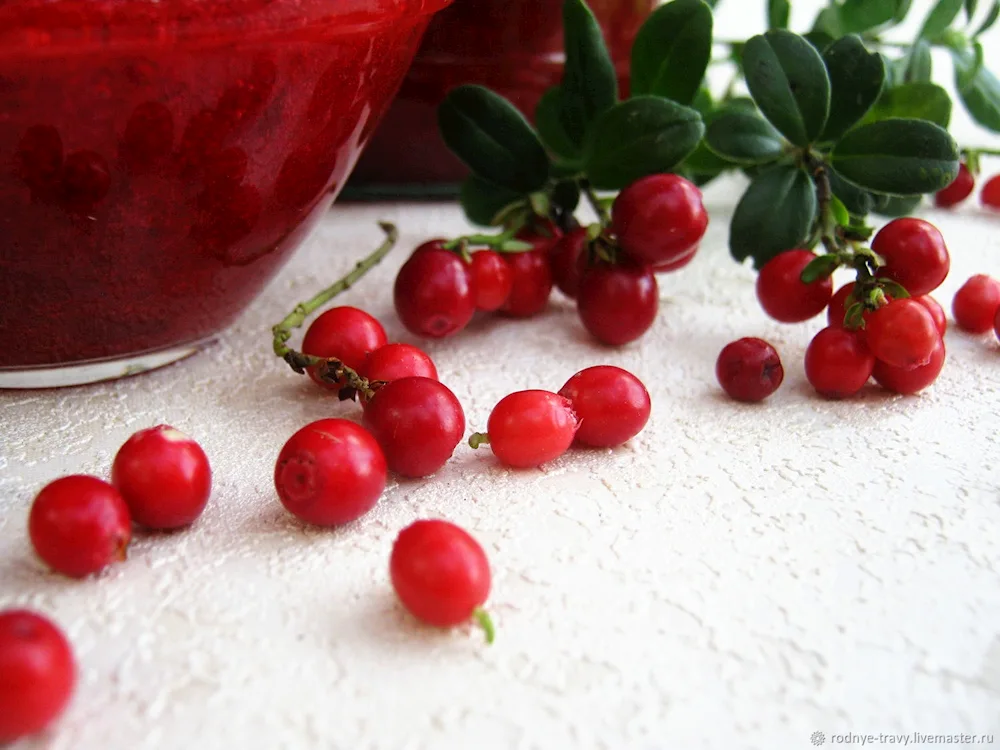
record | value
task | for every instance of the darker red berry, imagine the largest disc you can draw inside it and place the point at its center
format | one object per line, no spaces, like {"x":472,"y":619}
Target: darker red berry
{"x":611,"y":405}
{"x":79,"y":525}
{"x":838,"y":364}
{"x":86,"y":180}
{"x":907,"y":381}
{"x":959,"y":189}
{"x":395,"y":361}
{"x":659,"y":219}
{"x":492,"y":280}
{"x":749,"y":369}
{"x":618,"y":303}
{"x":344,"y":333}
{"x":936,"y":311}
{"x":915,"y":255}
{"x":37,"y":674}
{"x":418,"y":422}
{"x":782,"y":293}
{"x":529,"y":428}
{"x":532,"y":283}
{"x":441,"y":574}
{"x":902,"y":334}
{"x":990,"y":195}
{"x":541,"y":234}
{"x":976,"y":303}
{"x":565,"y":260}
{"x":433,"y":293}
{"x":163,"y":476}
{"x":330,"y":472}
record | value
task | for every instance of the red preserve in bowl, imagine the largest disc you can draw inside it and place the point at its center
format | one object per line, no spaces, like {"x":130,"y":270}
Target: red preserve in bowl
{"x":159,"y":161}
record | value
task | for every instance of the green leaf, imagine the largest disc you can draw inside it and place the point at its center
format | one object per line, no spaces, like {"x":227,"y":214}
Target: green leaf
{"x":828,"y":22}
{"x":921,"y":101}
{"x":940,"y":18}
{"x":642,"y":136}
{"x":917,"y":65}
{"x":703,"y":101}
{"x":703,"y":161}
{"x":819,"y":39}
{"x":894,"y":206}
{"x":856,"y":77}
{"x":858,"y":202}
{"x":897,"y":156}
{"x":861,"y":15}
{"x":493,"y":139}
{"x":671,"y":51}
{"x":788,"y":80}
{"x":991,"y":18}
{"x":775,"y":214}
{"x":548,"y":120}
{"x":743,"y":137}
{"x":819,"y":267}
{"x":840,"y":212}
{"x":902,"y":9}
{"x":970,"y":8}
{"x":590,"y":84}
{"x":777,"y":14}
{"x":978,"y":88}
{"x":483,"y":201}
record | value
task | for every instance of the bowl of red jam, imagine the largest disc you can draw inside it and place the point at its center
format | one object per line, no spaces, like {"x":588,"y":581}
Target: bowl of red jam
{"x":161,"y":160}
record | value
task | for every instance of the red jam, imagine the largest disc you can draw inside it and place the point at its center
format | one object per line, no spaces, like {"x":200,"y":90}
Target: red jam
{"x":159,"y":161}
{"x":511,"y":46}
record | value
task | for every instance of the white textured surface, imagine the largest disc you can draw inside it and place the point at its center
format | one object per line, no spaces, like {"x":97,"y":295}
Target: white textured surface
{"x":736,"y":577}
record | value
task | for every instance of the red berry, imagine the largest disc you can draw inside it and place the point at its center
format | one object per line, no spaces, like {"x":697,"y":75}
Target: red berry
{"x":330,"y":472}
{"x":611,"y":405}
{"x":990,"y":196}
{"x":837,"y":309}
{"x":433,"y":293}
{"x":902,"y":334}
{"x":565,"y":261}
{"x":678,"y":263}
{"x":532,"y":283}
{"x":79,"y":525}
{"x":959,"y":189}
{"x":163,"y":476}
{"x":418,"y":422}
{"x":492,"y":280}
{"x":37,"y":674}
{"x":838,"y":364}
{"x":912,"y":380}
{"x":996,"y":323}
{"x":915,"y":255}
{"x":346,"y":333}
{"x":749,"y":369}
{"x":618,"y":303}
{"x":658,"y":219}
{"x":395,"y":361}
{"x":529,"y":428}
{"x":441,"y":574}
{"x":542,"y":235}
{"x":936,"y":311}
{"x":976,"y":303}
{"x":783,"y":295}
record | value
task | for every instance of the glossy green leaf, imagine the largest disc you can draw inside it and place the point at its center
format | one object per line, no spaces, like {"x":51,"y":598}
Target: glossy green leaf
{"x":704,"y":161}
{"x":991,"y":18}
{"x":493,"y":139}
{"x":858,"y":202}
{"x":820,"y":267}
{"x":548,"y":121}
{"x":970,"y":8}
{"x":788,"y":80}
{"x":819,"y":39}
{"x":639,"y":137}
{"x":940,"y":18}
{"x":894,"y":206}
{"x":775,"y":214}
{"x":897,"y":156}
{"x":743,"y":137}
{"x":483,"y":201}
{"x":902,"y":10}
{"x":978,"y":88}
{"x":857,"y":16}
{"x":777,"y":14}
{"x":671,"y":51}
{"x":921,"y":101}
{"x":917,"y":66}
{"x":828,"y":22}
{"x":856,"y":77}
{"x":590,"y":84}
{"x":703,"y":101}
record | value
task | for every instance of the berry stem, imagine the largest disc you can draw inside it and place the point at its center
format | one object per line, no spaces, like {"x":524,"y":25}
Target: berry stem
{"x":484,"y":621}
{"x":477,"y":439}
{"x":501,"y":243}
{"x":824,"y":199}
{"x":595,"y":202}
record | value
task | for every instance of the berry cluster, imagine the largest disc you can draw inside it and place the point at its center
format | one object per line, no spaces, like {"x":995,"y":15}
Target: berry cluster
{"x":965,"y":184}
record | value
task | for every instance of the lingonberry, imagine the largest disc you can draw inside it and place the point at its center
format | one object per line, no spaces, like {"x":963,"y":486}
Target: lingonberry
{"x":902,"y":334}
{"x":749,"y":369}
{"x":345,"y":333}
{"x":996,"y":323}
{"x":79,"y":525}
{"x":492,"y":280}
{"x":417,"y":422}
{"x":611,"y":405}
{"x":990,"y":196}
{"x":441,"y":575}
{"x":529,"y":428}
{"x":912,"y":380}
{"x":330,"y":472}
{"x":397,"y":360}
{"x":532,"y":283}
{"x":163,"y":476}
{"x":915,"y":255}
{"x":836,"y":311}
{"x":782,"y":293}
{"x":936,"y":311}
{"x":658,"y":219}
{"x":541,"y":234}
{"x":678,"y":263}
{"x":959,"y":189}
{"x":618,"y":303}
{"x":433,"y":293}
{"x":565,"y":261}
{"x":37,"y":674}
{"x":837,"y":362}
{"x":976,"y":303}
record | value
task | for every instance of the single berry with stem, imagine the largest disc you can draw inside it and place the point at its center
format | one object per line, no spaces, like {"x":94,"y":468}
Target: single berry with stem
{"x":565,"y":260}
{"x":529,"y":428}
{"x":911,"y":380}
{"x":749,"y":369}
{"x":398,"y":360}
{"x":344,"y":333}
{"x":612,"y":405}
{"x":915,"y":255}
{"x":936,"y":311}
{"x":330,"y":472}
{"x":433,"y":293}
{"x":659,"y":219}
{"x":837,"y":363}
{"x":163,"y":476}
{"x":990,"y":195}
{"x":618,"y":303}
{"x":959,"y":189}
{"x":976,"y":303}
{"x":79,"y":525}
{"x":902,"y":334}
{"x":441,"y":575}
{"x":418,"y":422}
{"x":532,"y":283}
{"x":492,"y":280}
{"x":783,"y":294}
{"x":37,"y":674}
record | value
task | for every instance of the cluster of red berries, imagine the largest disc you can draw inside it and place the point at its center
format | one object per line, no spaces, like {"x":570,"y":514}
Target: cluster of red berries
{"x":656,"y":225}
{"x":963,"y":186}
